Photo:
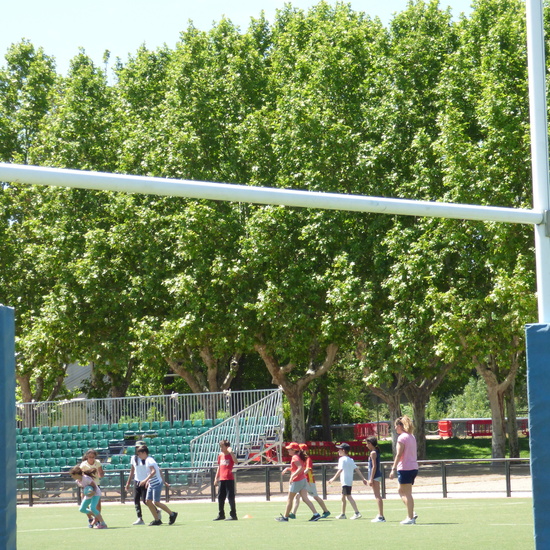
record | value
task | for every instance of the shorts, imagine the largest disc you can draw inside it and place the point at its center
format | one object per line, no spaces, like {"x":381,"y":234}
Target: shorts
{"x":379,"y":479}
{"x":297,"y":486}
{"x":346,"y":489}
{"x":406,"y":476}
{"x":312,"y":490}
{"x":153,"y":493}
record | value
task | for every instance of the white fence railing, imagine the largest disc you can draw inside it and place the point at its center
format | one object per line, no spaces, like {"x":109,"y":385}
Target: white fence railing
{"x":137,"y":409}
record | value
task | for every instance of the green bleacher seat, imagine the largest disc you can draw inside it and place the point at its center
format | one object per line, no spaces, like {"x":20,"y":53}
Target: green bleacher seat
{"x":83,"y":428}
{"x":28,"y":438}
{"x":24,"y":431}
{"x":94,"y":428}
{"x":51,"y":463}
{"x":166,"y":425}
{"x":161,"y":449}
{"x":125,"y":459}
{"x":77,"y":436}
{"x":58,"y":437}
{"x":123,"y":426}
{"x":61,"y":462}
{"x":45,"y":430}
{"x":119,"y":435}
{"x":177,"y":424}
{"x":185,"y":448}
{"x":133,"y":427}
{"x":103,"y":444}
{"x":105,"y":428}
{"x":67,"y":453}
{"x":20,"y":463}
{"x":54,"y":430}
{"x":208,"y":423}
{"x":73,"y":429}
{"x":161,"y":432}
{"x":35,"y":430}
{"x":18,"y":439}
{"x":108,"y":466}
{"x":115,"y":459}
{"x":23,"y":446}
{"x":197,"y":423}
{"x":145,"y":426}
{"x":46,"y":454}
{"x":218,"y":421}
{"x":187,"y":423}
{"x":114,"y":427}
{"x":73,"y":445}
{"x":155,"y":425}
{"x":26,"y":455}
{"x":56,"y":453}
{"x":63,"y":430}
{"x":47,"y":438}
{"x":168,"y":457}
{"x":193,"y":432}
{"x":36,"y":454}
{"x":179,"y":457}
{"x":42,"y":446}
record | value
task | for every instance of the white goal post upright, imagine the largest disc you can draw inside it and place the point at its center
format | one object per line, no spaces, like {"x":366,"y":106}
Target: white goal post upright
{"x":538,"y":334}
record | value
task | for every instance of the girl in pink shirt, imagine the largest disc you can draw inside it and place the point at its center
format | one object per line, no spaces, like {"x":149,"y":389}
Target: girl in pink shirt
{"x":406,"y":465}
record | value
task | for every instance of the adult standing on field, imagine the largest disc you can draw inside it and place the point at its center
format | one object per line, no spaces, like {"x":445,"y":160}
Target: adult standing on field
{"x":406,"y":465}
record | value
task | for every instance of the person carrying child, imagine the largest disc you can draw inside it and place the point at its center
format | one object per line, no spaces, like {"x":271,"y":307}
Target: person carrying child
{"x":90,"y":463}
{"x":346,"y":468}
{"x":375,"y":476}
{"x":311,"y":488}
{"x":92,"y":496}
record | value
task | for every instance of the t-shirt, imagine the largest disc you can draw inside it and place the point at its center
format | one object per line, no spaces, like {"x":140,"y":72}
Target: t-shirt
{"x":347,"y":465}
{"x":295,"y":465}
{"x":85,"y":466}
{"x":226,"y":463}
{"x":309,"y":468}
{"x":156,"y":479}
{"x":141,"y":471}
{"x":408,"y":459}
{"x":87,"y":480}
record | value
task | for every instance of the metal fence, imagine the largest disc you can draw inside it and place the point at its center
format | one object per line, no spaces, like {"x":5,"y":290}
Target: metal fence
{"x":482,"y":477}
{"x":170,"y":408}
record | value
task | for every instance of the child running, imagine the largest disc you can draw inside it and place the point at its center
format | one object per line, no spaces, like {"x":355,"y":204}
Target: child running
{"x":298,"y":482}
{"x":154,"y":482}
{"x":90,"y":501}
{"x":346,"y":467}
{"x":311,"y":488}
{"x":375,"y":476}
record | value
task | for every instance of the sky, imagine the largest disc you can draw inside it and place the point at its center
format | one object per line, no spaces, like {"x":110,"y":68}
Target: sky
{"x":61,"y":27}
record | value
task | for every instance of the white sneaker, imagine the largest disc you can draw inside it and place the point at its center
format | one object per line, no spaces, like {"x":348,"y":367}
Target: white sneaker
{"x":341,"y":516}
{"x":415,"y":516}
{"x":357,"y":515}
{"x":408,"y":521}
{"x":378,"y":519}
{"x":138,"y":521}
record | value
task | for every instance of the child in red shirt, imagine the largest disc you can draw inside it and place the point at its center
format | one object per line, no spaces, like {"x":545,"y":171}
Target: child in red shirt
{"x":224,"y":474}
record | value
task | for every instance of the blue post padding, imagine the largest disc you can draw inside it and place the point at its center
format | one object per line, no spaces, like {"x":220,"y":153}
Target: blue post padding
{"x":538,"y":387}
{"x":8,"y":495}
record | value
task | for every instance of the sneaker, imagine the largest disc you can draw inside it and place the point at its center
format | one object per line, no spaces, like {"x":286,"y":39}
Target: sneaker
{"x":155,"y":522}
{"x":173,"y":517}
{"x":408,"y":521}
{"x":315,"y":517}
{"x":232,"y":518}
{"x":415,"y":516}
{"x":219,"y":518}
{"x":281,"y":518}
{"x":100,"y":526}
{"x":91,"y":523}
{"x":378,"y":519}
{"x":357,"y":515}
{"x":139,"y":521}
{"x":341,"y":516}
{"x":325,"y":514}
{"x":291,"y":516}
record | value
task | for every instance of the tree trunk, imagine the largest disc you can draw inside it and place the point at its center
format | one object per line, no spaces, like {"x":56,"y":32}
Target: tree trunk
{"x":294,"y":391}
{"x":511,"y":423}
{"x":325,"y":413}
{"x":418,"y":394}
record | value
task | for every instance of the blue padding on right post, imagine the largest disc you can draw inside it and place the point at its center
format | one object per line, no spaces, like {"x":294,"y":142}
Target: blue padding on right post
{"x":538,"y":387}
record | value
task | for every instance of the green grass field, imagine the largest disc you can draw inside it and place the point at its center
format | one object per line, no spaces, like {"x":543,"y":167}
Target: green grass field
{"x":443,"y":523}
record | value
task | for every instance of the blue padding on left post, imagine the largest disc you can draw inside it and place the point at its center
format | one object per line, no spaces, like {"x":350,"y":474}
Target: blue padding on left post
{"x":8,"y":491}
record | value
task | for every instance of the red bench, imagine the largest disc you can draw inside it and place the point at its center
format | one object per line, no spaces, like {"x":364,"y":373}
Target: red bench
{"x":378,"y":429}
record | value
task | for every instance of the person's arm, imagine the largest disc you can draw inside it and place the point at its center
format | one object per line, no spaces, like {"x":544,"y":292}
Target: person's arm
{"x":100,"y":472}
{"x":365,"y":482}
{"x":217,"y":478}
{"x":397,"y":460}
{"x":152,"y":472}
{"x":338,"y":472}
{"x":130,"y":477}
